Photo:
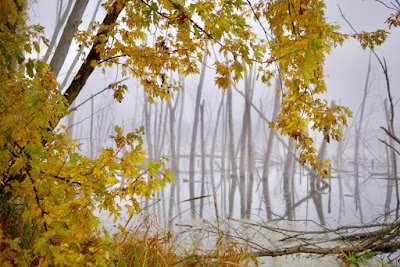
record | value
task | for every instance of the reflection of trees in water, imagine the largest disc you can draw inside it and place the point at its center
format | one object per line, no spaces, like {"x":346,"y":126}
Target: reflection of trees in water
{"x":287,"y":183}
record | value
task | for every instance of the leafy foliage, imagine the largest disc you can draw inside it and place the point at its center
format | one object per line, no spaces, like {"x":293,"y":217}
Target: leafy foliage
{"x":302,"y":38}
{"x":394,"y":19}
{"x":49,"y":191}
{"x":371,"y":39}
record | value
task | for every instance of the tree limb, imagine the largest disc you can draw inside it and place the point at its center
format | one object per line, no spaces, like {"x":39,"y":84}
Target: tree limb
{"x":395,"y":138}
{"x":86,"y":68}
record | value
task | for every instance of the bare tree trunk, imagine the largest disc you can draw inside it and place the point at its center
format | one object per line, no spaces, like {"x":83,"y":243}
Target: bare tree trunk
{"x":357,"y":141}
{"x":194,"y":136}
{"x":232,"y":158}
{"x":147,"y":123}
{"x":86,"y":69}
{"x":389,"y":157}
{"x":268,"y":153}
{"x":178,"y":143}
{"x":174,"y":159}
{"x":224,"y":199}
{"x":242,"y":166}
{"x":149,"y":139}
{"x":250,"y":81}
{"x":391,"y":132}
{"x":78,"y":55}
{"x":315,"y":184}
{"x":162,"y":130}
{"x":214,"y":142}
{"x":64,"y":44}
{"x":339,"y":174}
{"x":70,"y":121}
{"x":91,"y":128}
{"x":59,"y":23}
{"x":287,"y":175}
{"x":203,"y":159}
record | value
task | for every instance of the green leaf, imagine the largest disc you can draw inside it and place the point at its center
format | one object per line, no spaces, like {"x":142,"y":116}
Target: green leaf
{"x":36,"y":46}
{"x":20,"y":57}
{"x":29,"y":67}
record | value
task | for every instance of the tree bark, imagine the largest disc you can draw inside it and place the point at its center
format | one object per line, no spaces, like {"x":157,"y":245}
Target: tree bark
{"x":232,"y":158}
{"x":203,"y":159}
{"x":79,"y":53}
{"x":242,"y":166}
{"x":287,"y":175}
{"x":86,"y":68}
{"x":250,"y":81}
{"x":357,"y":141}
{"x":64,"y":44}
{"x":194,"y":136}
{"x":172,"y":136}
{"x":214,"y":142}
{"x":268,"y":153}
{"x":60,"y":22}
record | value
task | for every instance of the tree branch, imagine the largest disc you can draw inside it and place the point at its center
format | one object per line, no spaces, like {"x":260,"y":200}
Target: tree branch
{"x":86,"y":69}
{"x":391,"y":147}
{"x":391,"y":135}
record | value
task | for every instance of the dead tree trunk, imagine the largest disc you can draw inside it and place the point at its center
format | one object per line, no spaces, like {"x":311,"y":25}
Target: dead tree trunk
{"x":179,"y":142}
{"x":194,"y":137}
{"x":287,"y":175}
{"x":391,"y":132}
{"x":339,"y":174}
{"x":249,"y":85}
{"x":71,"y":27}
{"x":391,"y":175}
{"x":203,"y":159}
{"x":79,"y":53}
{"x":315,"y":187}
{"x":232,"y":158}
{"x":268,"y":153}
{"x":214,"y":143}
{"x":174,"y":158}
{"x":60,"y":21}
{"x":357,"y":141}
{"x":242,"y":166}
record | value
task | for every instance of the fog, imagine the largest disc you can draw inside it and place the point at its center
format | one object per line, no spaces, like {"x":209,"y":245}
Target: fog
{"x":340,"y":199}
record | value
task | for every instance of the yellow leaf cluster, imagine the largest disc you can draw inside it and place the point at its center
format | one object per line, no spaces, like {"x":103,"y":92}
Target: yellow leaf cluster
{"x":302,"y":38}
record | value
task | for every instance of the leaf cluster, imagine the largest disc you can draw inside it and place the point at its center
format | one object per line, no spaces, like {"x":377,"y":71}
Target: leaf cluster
{"x":49,"y":192}
{"x":302,"y":38}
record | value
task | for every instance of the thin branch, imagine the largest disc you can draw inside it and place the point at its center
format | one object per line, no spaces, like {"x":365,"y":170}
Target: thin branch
{"x":391,"y":135}
{"x":383,"y":3}
{"x":92,"y":96}
{"x":393,"y":148}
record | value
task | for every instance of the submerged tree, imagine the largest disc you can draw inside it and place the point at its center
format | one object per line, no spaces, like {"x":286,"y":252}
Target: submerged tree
{"x":49,"y":192}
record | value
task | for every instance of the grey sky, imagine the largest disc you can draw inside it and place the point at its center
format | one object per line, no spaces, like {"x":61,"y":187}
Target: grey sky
{"x":345,"y":68}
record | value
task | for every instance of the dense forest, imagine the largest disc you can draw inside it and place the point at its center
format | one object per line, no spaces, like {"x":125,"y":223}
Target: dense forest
{"x":198,"y":133}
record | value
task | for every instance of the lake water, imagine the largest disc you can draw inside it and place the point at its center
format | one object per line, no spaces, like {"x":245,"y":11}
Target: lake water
{"x":333,"y":204}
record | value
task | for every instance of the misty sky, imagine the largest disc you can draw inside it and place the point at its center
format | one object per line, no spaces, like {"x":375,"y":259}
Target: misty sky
{"x":346,"y":67}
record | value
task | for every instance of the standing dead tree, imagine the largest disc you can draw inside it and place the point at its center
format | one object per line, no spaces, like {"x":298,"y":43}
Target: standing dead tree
{"x":194,"y":137}
{"x":391,"y":129}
